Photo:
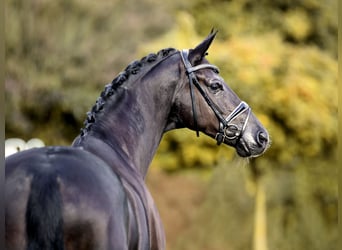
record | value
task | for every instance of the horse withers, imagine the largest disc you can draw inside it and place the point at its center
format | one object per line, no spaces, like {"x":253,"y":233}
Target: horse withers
{"x":92,"y":195}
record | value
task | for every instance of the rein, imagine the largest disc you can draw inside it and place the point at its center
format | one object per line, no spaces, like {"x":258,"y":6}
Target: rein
{"x":227,"y":130}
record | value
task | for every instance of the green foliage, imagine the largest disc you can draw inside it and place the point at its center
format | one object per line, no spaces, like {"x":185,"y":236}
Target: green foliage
{"x":60,"y":54}
{"x":302,"y":206}
{"x":301,"y":209}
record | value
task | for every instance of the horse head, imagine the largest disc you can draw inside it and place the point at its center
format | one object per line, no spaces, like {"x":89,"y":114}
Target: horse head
{"x":205,"y":103}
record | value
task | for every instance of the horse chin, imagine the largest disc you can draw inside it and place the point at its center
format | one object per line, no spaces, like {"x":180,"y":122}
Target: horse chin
{"x":243,"y":150}
{"x":249,"y":150}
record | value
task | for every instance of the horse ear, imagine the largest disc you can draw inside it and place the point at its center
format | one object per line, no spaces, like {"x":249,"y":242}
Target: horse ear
{"x":196,"y":55}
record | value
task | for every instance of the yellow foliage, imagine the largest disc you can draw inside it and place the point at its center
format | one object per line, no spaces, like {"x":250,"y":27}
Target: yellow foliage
{"x":297,"y":23}
{"x":291,"y":90}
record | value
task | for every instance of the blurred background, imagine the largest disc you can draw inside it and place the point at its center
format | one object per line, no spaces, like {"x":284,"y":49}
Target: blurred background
{"x":280,"y":56}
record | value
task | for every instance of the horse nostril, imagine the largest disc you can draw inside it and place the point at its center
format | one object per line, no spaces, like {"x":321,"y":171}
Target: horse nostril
{"x":262,"y":138}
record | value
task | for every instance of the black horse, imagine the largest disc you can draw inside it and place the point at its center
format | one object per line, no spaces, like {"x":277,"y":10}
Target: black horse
{"x":92,"y":195}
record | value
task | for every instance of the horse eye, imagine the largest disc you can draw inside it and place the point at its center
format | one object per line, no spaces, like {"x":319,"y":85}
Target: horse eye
{"x":216,"y":71}
{"x":215,"y":87}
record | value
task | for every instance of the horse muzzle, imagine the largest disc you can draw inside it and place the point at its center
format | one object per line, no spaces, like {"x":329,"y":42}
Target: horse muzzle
{"x":253,"y":146}
{"x":250,"y":142}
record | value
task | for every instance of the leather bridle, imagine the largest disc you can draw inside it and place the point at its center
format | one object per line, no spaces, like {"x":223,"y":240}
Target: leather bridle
{"x":227,"y":130}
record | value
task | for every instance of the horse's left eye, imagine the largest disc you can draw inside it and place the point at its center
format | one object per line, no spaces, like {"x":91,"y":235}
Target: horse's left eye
{"x":215,"y":87}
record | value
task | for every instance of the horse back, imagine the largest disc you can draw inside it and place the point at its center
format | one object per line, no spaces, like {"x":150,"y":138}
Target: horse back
{"x":64,"y":198}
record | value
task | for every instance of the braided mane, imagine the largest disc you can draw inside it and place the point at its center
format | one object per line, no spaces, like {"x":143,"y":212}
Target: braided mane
{"x":132,"y":69}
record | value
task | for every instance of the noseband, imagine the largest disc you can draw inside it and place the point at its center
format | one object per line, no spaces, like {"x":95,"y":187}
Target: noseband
{"x":227,"y":130}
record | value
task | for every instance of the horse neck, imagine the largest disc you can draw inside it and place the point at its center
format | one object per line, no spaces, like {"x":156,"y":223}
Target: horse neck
{"x":133,"y":121}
